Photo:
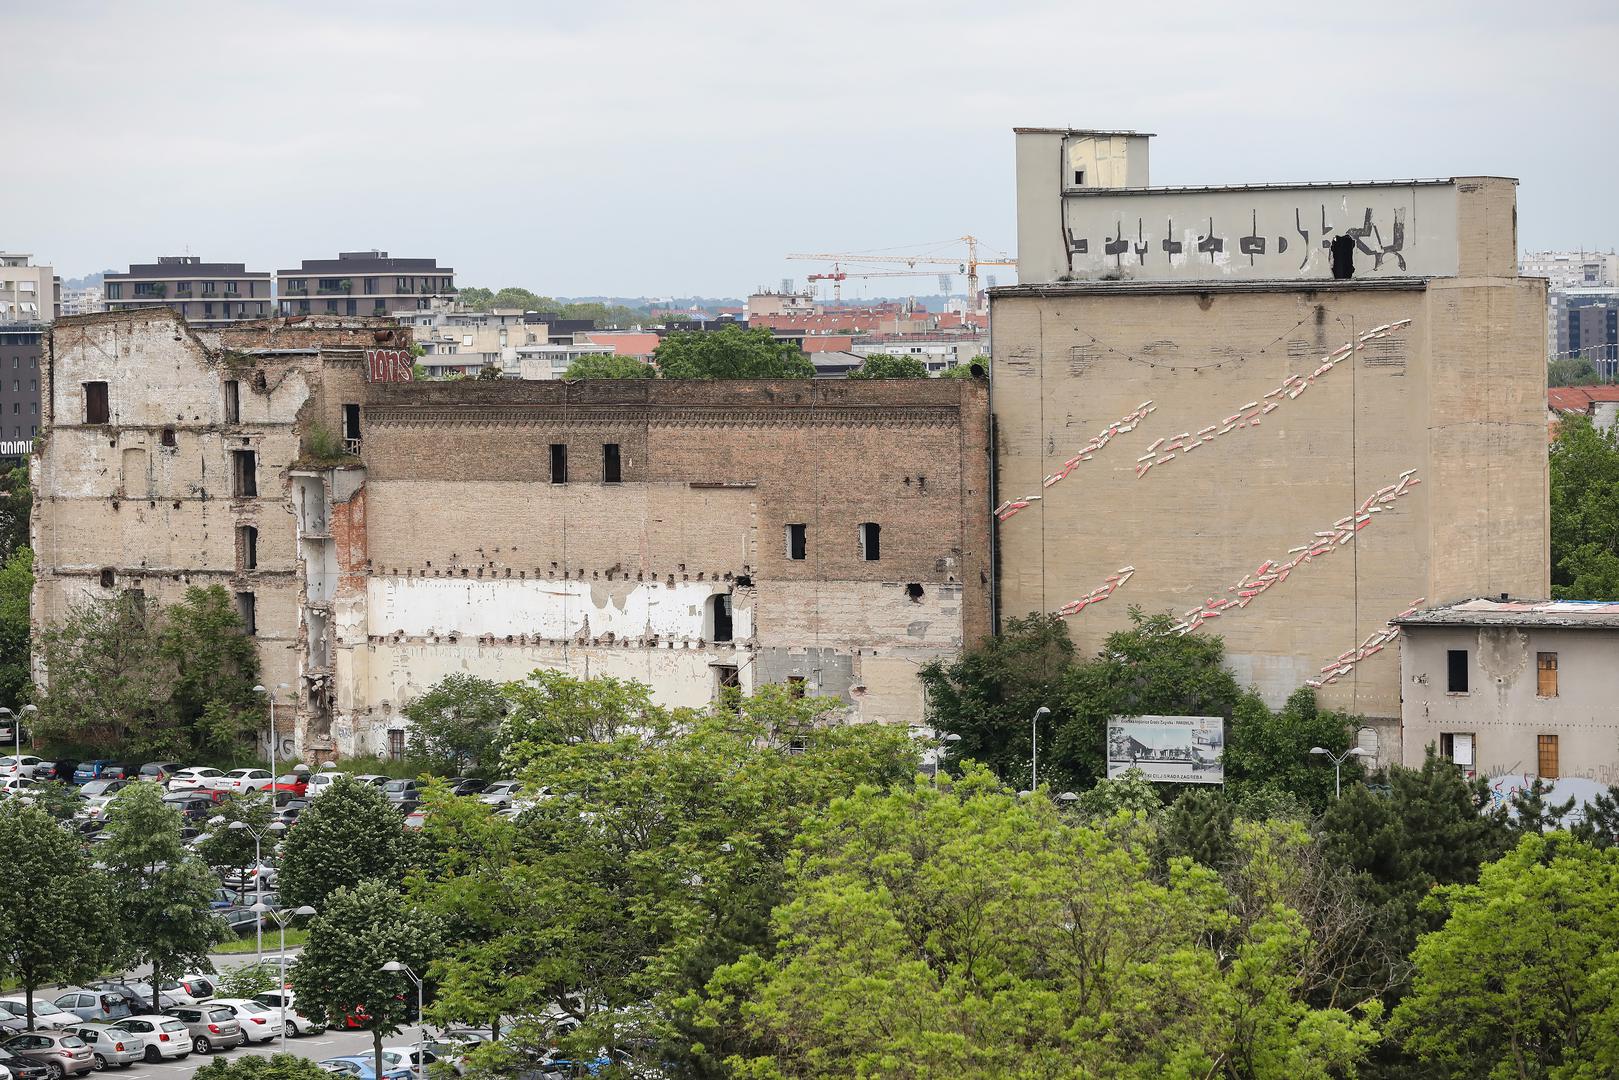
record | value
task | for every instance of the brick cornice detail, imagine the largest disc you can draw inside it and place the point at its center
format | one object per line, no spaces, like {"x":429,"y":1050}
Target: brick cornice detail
{"x":665,"y":416}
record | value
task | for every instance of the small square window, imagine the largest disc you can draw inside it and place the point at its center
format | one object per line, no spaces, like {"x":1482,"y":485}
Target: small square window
{"x":1456,"y":671}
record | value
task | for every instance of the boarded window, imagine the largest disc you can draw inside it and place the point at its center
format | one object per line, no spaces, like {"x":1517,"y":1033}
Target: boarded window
{"x":233,"y":401}
{"x":871,"y":541}
{"x":396,"y":739}
{"x":1456,"y":671}
{"x":1458,"y":747}
{"x":247,"y":606}
{"x":611,"y":473}
{"x":95,"y":403}
{"x":1546,"y":674}
{"x":247,"y":544}
{"x":1547,"y":747}
{"x":559,"y":463}
{"x":244,"y":473}
{"x":797,"y":541}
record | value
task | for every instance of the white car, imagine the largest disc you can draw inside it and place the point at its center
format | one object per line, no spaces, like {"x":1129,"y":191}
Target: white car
{"x":46,"y":1014}
{"x":202,"y":778}
{"x":26,"y":765}
{"x":165,"y":1036}
{"x":242,"y":781}
{"x":297,"y":1022}
{"x":393,"y":1056}
{"x":260,"y":1023}
{"x":320,"y":783}
{"x":17,"y":785}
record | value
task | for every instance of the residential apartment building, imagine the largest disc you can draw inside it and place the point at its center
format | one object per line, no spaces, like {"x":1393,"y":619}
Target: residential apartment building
{"x":938,"y":352}
{"x":691,"y":535}
{"x":28,"y":293}
{"x":1575,"y":280}
{"x":204,"y":293}
{"x":1284,"y":414}
{"x":21,"y":347}
{"x":465,"y":342}
{"x":83,"y":301}
{"x":1588,"y":327}
{"x":1515,"y":689}
{"x":363,"y":283}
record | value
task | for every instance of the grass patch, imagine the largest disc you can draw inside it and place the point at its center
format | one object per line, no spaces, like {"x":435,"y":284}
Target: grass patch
{"x":272,"y":942}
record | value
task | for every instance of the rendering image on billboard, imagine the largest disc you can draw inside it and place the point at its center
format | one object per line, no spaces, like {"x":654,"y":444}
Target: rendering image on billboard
{"x":1167,"y":749}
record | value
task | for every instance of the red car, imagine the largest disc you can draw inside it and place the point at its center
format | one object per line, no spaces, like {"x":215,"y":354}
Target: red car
{"x":296,"y":783}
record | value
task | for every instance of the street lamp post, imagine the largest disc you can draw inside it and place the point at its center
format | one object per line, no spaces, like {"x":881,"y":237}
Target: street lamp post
{"x":282,"y":918}
{"x":421,"y":1021}
{"x":1337,"y":765}
{"x":1034,"y":747}
{"x":16,"y":727}
{"x":271,"y":696}
{"x":258,"y":870}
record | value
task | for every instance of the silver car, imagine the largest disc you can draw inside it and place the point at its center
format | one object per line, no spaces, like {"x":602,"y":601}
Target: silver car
{"x":111,"y":1044}
{"x":212,"y":1027}
{"x":46,"y":1015}
{"x":92,"y":1004}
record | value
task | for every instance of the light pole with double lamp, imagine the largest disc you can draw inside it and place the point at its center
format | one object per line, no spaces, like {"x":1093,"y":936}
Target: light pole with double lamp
{"x":1337,"y":765}
{"x":421,"y":1021}
{"x":282,"y":918}
{"x":271,"y":696}
{"x":258,"y":866}
{"x":16,"y":728}
{"x":1034,"y":747}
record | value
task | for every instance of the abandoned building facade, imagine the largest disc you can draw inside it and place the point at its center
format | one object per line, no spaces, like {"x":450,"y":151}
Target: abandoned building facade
{"x":380,"y":534}
{"x":1284,"y":414}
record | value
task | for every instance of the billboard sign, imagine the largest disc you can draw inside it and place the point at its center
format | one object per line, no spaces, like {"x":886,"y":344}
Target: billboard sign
{"x":1167,"y":749}
{"x":388,"y":365}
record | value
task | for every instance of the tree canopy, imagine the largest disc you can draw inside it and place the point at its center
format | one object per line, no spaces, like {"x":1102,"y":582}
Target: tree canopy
{"x":348,"y":836}
{"x":890,"y":366}
{"x":16,"y":585}
{"x":730,"y":353}
{"x":609,"y":366}
{"x":1585,"y":511}
{"x":455,"y":725}
{"x":1572,"y":371}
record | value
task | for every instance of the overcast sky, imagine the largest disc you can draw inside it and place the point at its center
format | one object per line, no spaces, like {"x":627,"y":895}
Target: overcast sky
{"x":662,"y":148}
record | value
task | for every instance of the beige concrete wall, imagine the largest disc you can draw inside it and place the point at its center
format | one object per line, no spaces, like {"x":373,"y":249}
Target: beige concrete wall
{"x":1453,"y":395}
{"x":1502,"y":709}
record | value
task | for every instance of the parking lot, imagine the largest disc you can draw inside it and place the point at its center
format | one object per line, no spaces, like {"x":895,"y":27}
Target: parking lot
{"x":314,"y":1047}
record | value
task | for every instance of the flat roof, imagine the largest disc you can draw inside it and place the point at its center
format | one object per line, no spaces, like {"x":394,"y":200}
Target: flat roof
{"x":1209,"y":285}
{"x":1311,"y":185}
{"x":1079,"y":131}
{"x":1550,"y":614}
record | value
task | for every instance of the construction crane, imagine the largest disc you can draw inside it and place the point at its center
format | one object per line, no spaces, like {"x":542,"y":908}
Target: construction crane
{"x":968,"y":266}
{"x":838,"y":276}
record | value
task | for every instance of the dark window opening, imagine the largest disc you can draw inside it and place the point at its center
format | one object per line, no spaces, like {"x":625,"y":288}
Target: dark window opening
{"x":351,"y":421}
{"x":796,"y":541}
{"x":1457,"y":746}
{"x":914,"y":591}
{"x":248,"y":540}
{"x":870,"y":541}
{"x":725,"y":679}
{"x":797,"y":744}
{"x":1343,"y":257}
{"x":611,"y":473}
{"x":233,"y":401}
{"x":795,"y":686}
{"x":559,"y":463}
{"x":244,"y":473}
{"x":396,"y":736}
{"x":247,"y":607}
{"x":168,"y":437}
{"x":95,"y":403}
{"x":719,"y":617}
{"x":107,"y":577}
{"x":1079,"y":177}
{"x":1456,"y":660}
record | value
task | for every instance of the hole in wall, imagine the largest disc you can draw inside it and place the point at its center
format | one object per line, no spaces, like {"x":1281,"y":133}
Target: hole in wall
{"x":914,"y":591}
{"x":1343,"y":257}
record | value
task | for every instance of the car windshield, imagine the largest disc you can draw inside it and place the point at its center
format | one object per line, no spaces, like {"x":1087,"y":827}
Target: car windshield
{"x":172,"y":1025}
{"x":289,"y":778}
{"x":399,"y":785}
{"x":221,"y":1014}
{"x":151,"y":770}
{"x":72,"y":1042}
{"x":253,"y":1007}
{"x":96,"y":787}
{"x":44,"y":1008}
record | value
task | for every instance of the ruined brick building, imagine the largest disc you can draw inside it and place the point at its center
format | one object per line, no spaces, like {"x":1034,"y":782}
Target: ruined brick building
{"x":382,"y":535}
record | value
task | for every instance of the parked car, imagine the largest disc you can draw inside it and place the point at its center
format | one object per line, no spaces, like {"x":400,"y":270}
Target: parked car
{"x":470,"y":785}
{"x":117,"y":770}
{"x":192,"y":805}
{"x":295,"y":784}
{"x":26,"y":765}
{"x":399,"y":791}
{"x":247,"y":878}
{"x":110,"y":1044}
{"x":212,"y":1027}
{"x":21,"y":1068}
{"x":158,"y":772}
{"x":166,"y":1038}
{"x":60,"y":770}
{"x":364,"y":1068}
{"x":61,"y":1054}
{"x":168,"y":989}
{"x":46,"y":1015}
{"x":18,"y":785}
{"x":89,"y":1004}
{"x":408,"y":1056}
{"x":241,"y":781}
{"x":200,"y":986}
{"x":136,"y":995}
{"x":297,"y":1022}
{"x":240,"y":919}
{"x":416,"y":818}
{"x":98,"y":795}
{"x":11,"y":1025}
{"x":199,"y":777}
{"x":501,"y":793}
{"x":259,"y":1022}
{"x":320,"y":783}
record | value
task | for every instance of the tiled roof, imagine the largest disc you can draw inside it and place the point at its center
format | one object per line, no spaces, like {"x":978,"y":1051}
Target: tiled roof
{"x":1579,"y":399}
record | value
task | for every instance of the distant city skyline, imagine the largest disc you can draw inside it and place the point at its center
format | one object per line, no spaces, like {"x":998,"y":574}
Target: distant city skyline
{"x":640,"y":149}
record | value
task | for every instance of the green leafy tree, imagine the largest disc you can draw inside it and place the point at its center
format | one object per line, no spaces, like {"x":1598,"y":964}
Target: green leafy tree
{"x":1572,"y":371}
{"x":348,"y":836}
{"x":274,"y":1067}
{"x":56,"y":914}
{"x":478,"y":299}
{"x":1266,"y":749}
{"x":231,"y":851}
{"x":965,"y":371}
{"x":513,"y":297}
{"x":1520,"y":980}
{"x":339,"y":973}
{"x":108,"y":682}
{"x":16,"y":508}
{"x":609,"y":366}
{"x":730,"y":353}
{"x":889,"y":366}
{"x":550,"y":709}
{"x":989,"y":694}
{"x":488,"y":373}
{"x":1197,"y":826}
{"x":216,"y":666}
{"x":965,"y":932}
{"x":16,"y":584}
{"x":164,"y":891}
{"x":455,"y":725}
{"x":1585,"y":511}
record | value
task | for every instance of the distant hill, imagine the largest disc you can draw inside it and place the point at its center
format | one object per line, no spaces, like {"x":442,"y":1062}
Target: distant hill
{"x":88,"y":281}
